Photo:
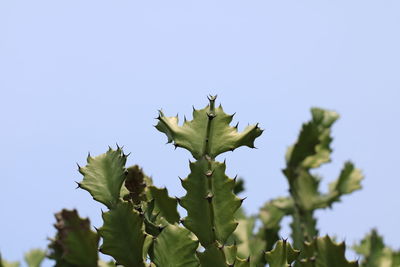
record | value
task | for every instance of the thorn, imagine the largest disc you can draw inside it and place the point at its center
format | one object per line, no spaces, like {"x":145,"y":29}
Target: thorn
{"x":78,"y":185}
{"x":233,"y":115}
{"x":209,"y":197}
{"x":118,"y":148}
{"x":209,"y":173}
{"x":178,"y":199}
{"x":243,"y":199}
{"x":127,"y":155}
{"x":212,"y":98}
{"x":184,"y":119}
{"x":109,"y":148}
{"x":180,"y":179}
{"x":232,"y":149}
{"x":221,"y":246}
{"x":235,"y":178}
{"x":193,"y":109}
{"x":248,"y":259}
{"x":211,"y":116}
{"x":181,"y":220}
{"x":237,"y":125}
{"x":88,"y":157}
{"x":160,"y":228}
{"x":176,"y":145}
{"x":95,"y":228}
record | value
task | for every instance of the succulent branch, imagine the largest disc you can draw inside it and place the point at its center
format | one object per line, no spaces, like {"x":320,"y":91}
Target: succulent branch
{"x":311,"y":150}
{"x":210,"y":200}
{"x":143,"y":228}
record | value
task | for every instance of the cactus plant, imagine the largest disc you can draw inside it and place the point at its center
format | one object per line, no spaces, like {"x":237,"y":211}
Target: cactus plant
{"x":143,"y":228}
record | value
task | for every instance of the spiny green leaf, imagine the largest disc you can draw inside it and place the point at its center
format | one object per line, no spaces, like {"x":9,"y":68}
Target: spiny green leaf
{"x":210,"y":202}
{"x":165,"y":204}
{"x":35,"y":257}
{"x":175,"y":248}
{"x":349,"y":181}
{"x":212,"y":257}
{"x":208,"y":133}
{"x":75,"y":243}
{"x":104,"y":175}
{"x":123,"y":235}
{"x":323,"y":252}
{"x":282,"y":255}
{"x":312,"y":147}
{"x":375,"y":253}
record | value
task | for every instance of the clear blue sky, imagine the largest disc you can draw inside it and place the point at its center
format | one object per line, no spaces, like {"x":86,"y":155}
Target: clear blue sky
{"x":77,"y":76}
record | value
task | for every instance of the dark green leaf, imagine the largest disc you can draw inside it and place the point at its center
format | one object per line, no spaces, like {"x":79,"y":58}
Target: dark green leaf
{"x":175,"y":248}
{"x":123,"y":235}
{"x":165,"y":204}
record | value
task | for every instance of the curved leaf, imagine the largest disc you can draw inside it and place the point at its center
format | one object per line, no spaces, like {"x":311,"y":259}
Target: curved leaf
{"x":313,"y":145}
{"x":175,"y":248}
{"x":165,"y":204}
{"x":104,"y":175}
{"x":123,"y":235}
